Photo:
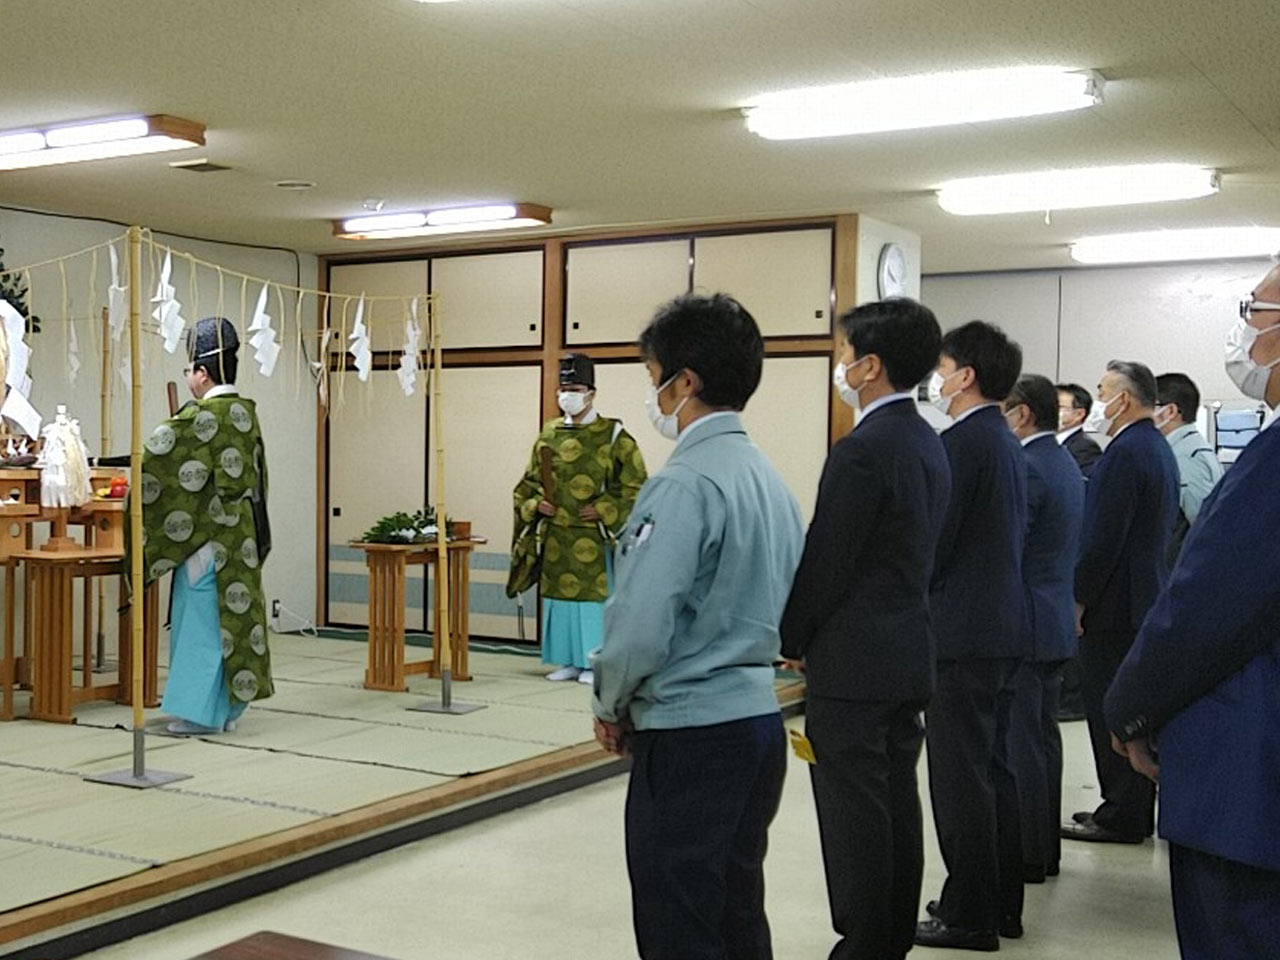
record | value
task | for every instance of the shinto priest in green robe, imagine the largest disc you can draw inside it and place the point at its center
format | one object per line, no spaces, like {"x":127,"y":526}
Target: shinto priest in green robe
{"x":204,"y":489}
{"x":596,"y":471}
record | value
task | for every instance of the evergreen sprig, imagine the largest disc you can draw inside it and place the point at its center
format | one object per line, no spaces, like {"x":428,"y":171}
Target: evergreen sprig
{"x":406,"y":528}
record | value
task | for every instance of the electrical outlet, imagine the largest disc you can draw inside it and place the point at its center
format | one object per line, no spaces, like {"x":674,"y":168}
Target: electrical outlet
{"x":275,"y":609}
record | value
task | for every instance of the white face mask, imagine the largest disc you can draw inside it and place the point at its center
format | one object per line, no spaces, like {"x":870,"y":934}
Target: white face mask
{"x":1098,"y":421}
{"x":937,"y":384}
{"x":667,"y":424}
{"x":1245,"y":372}
{"x":850,"y":395}
{"x":1164,"y":415}
{"x":572,"y":402}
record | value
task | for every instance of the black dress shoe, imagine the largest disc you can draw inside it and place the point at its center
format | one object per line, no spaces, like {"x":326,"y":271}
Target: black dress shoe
{"x":1033,"y":873}
{"x":1011,"y":928}
{"x":931,"y":908}
{"x":1082,"y":816}
{"x":935,"y":933}
{"x":1093,"y":833}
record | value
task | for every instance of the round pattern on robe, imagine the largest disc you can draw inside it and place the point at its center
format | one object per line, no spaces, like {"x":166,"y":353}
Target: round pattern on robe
{"x":178,"y":526}
{"x":162,"y":440}
{"x":258,"y":639}
{"x":585,"y":550}
{"x":220,"y":556}
{"x":205,"y":426}
{"x":150,"y":489}
{"x":244,"y":685}
{"x":192,"y":476}
{"x":241,"y":419}
{"x":228,"y":645}
{"x":570,"y":450}
{"x":582,"y":487}
{"x":232,"y":462}
{"x":551,"y":550}
{"x":570,"y":586}
{"x":161,"y":567}
{"x":238,"y":598}
{"x":249,"y":553}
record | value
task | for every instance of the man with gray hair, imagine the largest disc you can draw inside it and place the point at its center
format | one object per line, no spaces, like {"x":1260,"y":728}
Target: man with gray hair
{"x":1130,"y":507}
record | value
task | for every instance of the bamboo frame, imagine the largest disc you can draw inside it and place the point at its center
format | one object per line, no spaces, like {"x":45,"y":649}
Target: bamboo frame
{"x":135,"y":479}
{"x":442,"y":522}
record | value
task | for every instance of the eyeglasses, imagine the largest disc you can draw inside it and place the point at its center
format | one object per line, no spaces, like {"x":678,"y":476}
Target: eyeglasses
{"x":1251,"y":306}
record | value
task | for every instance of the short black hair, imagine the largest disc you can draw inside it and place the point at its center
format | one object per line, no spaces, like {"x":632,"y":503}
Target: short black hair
{"x":1041,"y":398}
{"x":1081,"y":399}
{"x":713,"y":336}
{"x":212,"y":346}
{"x":1142,"y":382}
{"x":904,"y":334}
{"x":996,"y":360}
{"x":1178,"y":389}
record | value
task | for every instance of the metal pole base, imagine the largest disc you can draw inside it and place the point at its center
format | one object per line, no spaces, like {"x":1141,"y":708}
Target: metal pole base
{"x":139,"y":778}
{"x":446,"y":703}
{"x":127,"y":778}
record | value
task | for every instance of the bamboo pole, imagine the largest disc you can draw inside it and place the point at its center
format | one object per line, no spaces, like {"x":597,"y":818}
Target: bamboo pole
{"x":104,"y":429}
{"x":135,"y":489}
{"x":442,"y":537}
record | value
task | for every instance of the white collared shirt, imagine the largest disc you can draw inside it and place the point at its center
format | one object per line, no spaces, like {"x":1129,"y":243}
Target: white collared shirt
{"x":1036,"y":436}
{"x":221,"y":390}
{"x":884,"y":401}
{"x":1066,"y":435}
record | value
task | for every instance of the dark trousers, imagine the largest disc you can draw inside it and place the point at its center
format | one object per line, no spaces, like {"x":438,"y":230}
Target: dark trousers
{"x":1037,"y":761}
{"x":1071,"y":703}
{"x":870,"y":822}
{"x":1128,"y":798}
{"x":699,"y":807}
{"x":974,"y":793}
{"x":1224,"y":909}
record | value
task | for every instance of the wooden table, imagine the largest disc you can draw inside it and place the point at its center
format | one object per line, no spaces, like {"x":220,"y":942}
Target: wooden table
{"x":48,"y":601}
{"x":387,"y":564}
{"x":277,"y":946}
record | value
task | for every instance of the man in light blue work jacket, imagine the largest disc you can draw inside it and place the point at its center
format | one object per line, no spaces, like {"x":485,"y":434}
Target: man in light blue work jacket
{"x":684,"y":680}
{"x":1177,"y":403}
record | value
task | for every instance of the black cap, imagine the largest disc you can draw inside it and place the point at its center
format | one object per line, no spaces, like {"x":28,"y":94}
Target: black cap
{"x":577,"y":368}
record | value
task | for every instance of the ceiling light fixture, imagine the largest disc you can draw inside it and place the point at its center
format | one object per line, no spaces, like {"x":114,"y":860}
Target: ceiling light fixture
{"x":389,"y":226}
{"x":1213,"y":243}
{"x":927,"y":100}
{"x":1047,"y":190}
{"x":98,"y":140}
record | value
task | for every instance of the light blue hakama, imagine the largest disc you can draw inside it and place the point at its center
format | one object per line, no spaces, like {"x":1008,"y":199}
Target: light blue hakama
{"x":197,"y":687}
{"x":571,"y":629}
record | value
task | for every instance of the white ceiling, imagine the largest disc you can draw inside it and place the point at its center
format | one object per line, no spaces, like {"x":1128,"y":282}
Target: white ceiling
{"x":623,"y":112}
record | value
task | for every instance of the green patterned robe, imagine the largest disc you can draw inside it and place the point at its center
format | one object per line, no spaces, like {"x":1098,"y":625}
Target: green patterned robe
{"x":201,"y":472}
{"x":590,"y":467}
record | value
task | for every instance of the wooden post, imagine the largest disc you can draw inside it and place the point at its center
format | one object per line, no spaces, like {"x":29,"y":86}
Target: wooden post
{"x":135,"y":486}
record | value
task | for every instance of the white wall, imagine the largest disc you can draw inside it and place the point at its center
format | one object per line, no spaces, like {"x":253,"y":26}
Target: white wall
{"x":286,"y":401}
{"x":1172,"y":317}
{"x":872,"y":236}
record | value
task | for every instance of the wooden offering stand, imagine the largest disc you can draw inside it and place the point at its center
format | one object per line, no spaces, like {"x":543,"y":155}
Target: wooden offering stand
{"x":48,"y":599}
{"x":387,"y":564}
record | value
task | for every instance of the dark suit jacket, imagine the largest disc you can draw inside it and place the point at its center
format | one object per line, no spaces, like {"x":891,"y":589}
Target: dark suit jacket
{"x":858,"y":611}
{"x":1055,"y":510}
{"x":1204,"y":671}
{"x":1131,"y":504}
{"x":1084,"y":450}
{"x":976,"y":598}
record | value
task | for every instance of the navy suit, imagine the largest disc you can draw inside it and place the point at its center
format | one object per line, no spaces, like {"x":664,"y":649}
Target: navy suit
{"x":859,"y":616}
{"x":1084,"y":450}
{"x":1055,"y":508}
{"x":1131,"y":505}
{"x":1204,"y":674}
{"x":977,"y":604}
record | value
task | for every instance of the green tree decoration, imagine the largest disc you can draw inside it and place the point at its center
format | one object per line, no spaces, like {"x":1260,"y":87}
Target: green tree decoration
{"x":13,"y":290}
{"x":406,"y":528}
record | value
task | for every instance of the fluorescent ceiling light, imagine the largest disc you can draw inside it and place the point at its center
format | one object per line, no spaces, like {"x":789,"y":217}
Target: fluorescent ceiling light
{"x":390,"y":226}
{"x":21,"y":142}
{"x":928,"y":100}
{"x":1072,"y":189}
{"x":98,"y":140}
{"x":1214,"y":243}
